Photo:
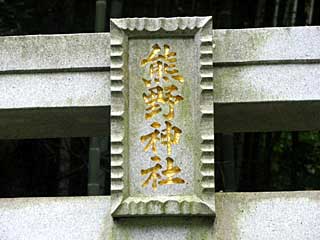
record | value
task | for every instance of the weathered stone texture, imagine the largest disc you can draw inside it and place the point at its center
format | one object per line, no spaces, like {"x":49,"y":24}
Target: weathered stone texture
{"x":54,"y":90}
{"x":290,"y":44}
{"x":273,"y":73}
{"x":130,"y":42}
{"x":270,"y":216}
{"x":267,"y":79}
{"x":72,"y":218}
{"x":53,"y":52}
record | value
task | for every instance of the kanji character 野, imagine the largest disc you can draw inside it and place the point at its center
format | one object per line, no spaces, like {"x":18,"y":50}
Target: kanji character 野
{"x":164,"y":96}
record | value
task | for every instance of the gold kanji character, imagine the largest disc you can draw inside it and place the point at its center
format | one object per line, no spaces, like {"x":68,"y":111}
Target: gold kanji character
{"x":156,"y":159}
{"x":170,"y":172}
{"x":174,"y":73}
{"x":161,"y":65}
{"x":152,"y":100}
{"x":171,"y":100}
{"x":170,"y":67}
{"x":158,"y":95}
{"x":152,"y":137}
{"x":156,"y":66}
{"x":152,"y":56}
{"x":154,"y":176}
{"x":168,"y":138}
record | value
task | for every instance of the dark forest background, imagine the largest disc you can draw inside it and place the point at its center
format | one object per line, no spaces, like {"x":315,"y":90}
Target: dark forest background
{"x":244,"y":161}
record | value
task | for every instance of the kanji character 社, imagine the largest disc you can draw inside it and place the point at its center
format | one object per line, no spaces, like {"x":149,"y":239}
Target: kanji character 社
{"x":154,"y":176}
{"x":170,"y":172}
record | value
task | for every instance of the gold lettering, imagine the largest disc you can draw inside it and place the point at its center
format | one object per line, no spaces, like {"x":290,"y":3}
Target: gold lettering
{"x":161,"y":67}
{"x":171,"y":100}
{"x":152,"y":101}
{"x":154,"y":176}
{"x":152,"y":137}
{"x":164,"y":96}
{"x":170,"y":135}
{"x":170,"y":172}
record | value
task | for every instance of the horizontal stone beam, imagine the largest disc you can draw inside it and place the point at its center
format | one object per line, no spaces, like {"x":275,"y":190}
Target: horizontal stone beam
{"x":261,"y":215}
{"x":54,"y":86}
{"x":72,"y":218}
{"x":265,"y":80}
{"x":268,"y":215}
{"x":49,"y":53}
{"x":59,"y":104}
{"x":54,"y":122}
{"x":265,"y":45}
{"x":267,"y":97}
{"x":55,"y":90}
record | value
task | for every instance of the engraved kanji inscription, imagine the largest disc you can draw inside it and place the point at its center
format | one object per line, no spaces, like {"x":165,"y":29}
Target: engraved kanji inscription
{"x":161,"y":98}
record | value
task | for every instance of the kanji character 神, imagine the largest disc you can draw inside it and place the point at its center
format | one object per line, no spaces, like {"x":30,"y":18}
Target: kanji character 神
{"x":168,"y":137}
{"x":152,"y":137}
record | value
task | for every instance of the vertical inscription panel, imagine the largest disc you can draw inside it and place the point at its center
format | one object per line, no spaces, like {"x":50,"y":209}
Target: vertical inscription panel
{"x":151,"y":99}
{"x":162,"y":117}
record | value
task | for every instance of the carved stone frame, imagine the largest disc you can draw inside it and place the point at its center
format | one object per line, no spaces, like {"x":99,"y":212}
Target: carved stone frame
{"x":201,"y":203}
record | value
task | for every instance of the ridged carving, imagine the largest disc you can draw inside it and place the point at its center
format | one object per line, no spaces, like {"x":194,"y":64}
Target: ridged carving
{"x":156,"y":24}
{"x":207,"y":115}
{"x":172,"y":207}
{"x":117,"y":116}
{"x":201,"y":203}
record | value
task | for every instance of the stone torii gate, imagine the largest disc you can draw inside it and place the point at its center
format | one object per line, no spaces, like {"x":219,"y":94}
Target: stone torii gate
{"x":59,"y":86}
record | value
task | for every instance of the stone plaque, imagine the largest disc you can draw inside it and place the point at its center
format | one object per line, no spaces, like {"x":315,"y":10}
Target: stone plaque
{"x":162,"y":138}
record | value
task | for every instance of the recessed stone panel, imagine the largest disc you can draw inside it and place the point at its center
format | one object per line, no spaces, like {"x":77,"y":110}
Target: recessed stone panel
{"x":162,"y":117}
